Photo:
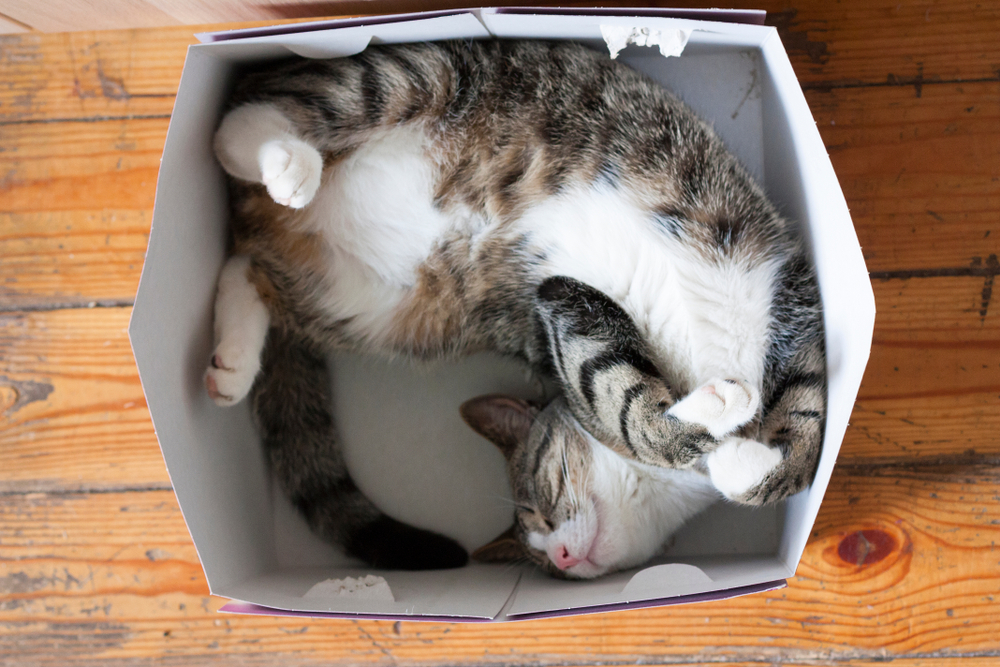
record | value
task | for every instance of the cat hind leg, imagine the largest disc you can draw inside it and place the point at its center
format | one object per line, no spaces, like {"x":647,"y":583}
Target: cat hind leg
{"x":241,"y":324}
{"x":291,"y":171}
{"x":257,"y":143}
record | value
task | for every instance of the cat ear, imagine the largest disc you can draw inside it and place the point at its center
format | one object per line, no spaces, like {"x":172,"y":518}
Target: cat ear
{"x":503,"y":420}
{"x":504,"y":548}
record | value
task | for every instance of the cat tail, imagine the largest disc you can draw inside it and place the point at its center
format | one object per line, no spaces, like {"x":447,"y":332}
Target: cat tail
{"x":291,"y":401}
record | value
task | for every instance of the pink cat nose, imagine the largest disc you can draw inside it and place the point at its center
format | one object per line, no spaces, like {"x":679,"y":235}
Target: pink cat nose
{"x":560,"y":556}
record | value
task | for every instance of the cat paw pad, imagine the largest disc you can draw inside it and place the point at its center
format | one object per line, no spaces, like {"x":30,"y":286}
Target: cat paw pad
{"x":721,"y":406}
{"x":291,"y":172}
{"x":738,"y":465}
{"x":230,"y":375}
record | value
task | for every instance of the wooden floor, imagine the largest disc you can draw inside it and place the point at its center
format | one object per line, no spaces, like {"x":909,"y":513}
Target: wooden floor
{"x":97,"y":568}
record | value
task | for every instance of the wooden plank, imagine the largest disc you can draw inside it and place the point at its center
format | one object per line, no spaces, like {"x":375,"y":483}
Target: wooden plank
{"x":906,"y":45}
{"x":91,"y":75}
{"x":949,"y":309}
{"x":98,"y":179}
{"x":111,"y":575}
{"x":71,"y":258}
{"x":81,"y":165}
{"x":926,"y":430}
{"x":74,"y":414}
{"x":72,"y":411}
{"x":887,"y":42}
{"x":883,"y":42}
{"x":218,"y":11}
{"x":61,"y":15}
{"x":75,"y":209}
{"x":932,"y":387}
{"x":920,"y":172}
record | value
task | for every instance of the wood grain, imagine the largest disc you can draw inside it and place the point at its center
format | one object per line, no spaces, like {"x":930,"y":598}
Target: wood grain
{"x":106,"y":14}
{"x":72,"y":258}
{"x":73,"y":415}
{"x":68,"y":186}
{"x":73,"y":412}
{"x":75,"y":206}
{"x":94,"y":74}
{"x":119,"y":566}
{"x":832,"y":43}
{"x":91,"y":75}
{"x":96,"y":567}
{"x":81,"y":165}
{"x":920,"y":173}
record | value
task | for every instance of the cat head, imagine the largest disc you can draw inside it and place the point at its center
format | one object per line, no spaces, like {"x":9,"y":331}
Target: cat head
{"x":581,"y":510}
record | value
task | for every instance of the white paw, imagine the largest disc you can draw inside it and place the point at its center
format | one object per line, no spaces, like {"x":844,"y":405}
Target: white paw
{"x":291,"y":170}
{"x":721,"y":406}
{"x":231,"y":373}
{"x":738,"y":465}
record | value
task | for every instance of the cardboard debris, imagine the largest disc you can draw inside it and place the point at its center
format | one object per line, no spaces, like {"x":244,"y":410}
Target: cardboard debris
{"x":671,"y":42}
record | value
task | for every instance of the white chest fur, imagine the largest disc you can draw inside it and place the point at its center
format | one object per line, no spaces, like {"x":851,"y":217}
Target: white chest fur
{"x":376,"y":215}
{"x":712,"y":315}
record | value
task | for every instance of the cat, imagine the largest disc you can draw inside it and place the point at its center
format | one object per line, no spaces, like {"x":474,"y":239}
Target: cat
{"x":534,"y":199}
{"x":581,"y":509}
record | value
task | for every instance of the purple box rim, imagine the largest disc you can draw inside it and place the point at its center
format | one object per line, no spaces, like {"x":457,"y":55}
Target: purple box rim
{"x":748,"y":16}
{"x":726,"y":594}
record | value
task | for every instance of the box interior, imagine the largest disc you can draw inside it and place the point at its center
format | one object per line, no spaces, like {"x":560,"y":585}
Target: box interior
{"x":404,"y":441}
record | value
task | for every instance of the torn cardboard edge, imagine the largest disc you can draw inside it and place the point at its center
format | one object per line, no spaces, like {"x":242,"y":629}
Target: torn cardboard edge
{"x":213,"y":457}
{"x":670,"y":42}
{"x":368,"y":587}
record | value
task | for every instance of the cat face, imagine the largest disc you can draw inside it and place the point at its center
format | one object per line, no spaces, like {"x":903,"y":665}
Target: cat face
{"x":581,"y":510}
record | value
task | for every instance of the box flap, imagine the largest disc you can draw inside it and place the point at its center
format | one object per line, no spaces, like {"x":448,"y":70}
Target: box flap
{"x":657,"y":602}
{"x":213,"y":457}
{"x":314,"y":26}
{"x":351,"y":36}
{"x":749,"y":16}
{"x":537,"y":593}
{"x":802,"y":181}
{"x":475,"y":591}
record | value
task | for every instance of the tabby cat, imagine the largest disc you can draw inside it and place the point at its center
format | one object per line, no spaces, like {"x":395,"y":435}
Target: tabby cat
{"x":534,"y":199}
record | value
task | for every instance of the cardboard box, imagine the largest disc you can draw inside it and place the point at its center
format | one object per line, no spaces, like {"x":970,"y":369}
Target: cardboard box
{"x":405,"y":442}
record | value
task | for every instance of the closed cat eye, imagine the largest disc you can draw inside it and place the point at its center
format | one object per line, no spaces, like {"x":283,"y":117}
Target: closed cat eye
{"x":532,"y":510}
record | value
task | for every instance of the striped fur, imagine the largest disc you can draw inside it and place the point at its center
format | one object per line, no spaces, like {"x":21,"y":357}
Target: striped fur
{"x":534,"y":199}
{"x":580,"y":509}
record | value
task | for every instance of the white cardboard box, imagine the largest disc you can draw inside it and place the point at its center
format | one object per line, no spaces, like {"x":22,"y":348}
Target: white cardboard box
{"x":404,"y":440}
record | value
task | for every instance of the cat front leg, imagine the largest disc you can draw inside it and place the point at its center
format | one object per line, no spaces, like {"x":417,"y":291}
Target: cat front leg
{"x":241,"y":324}
{"x":784,"y":461}
{"x":613,"y":386}
{"x":739,"y":465}
{"x":257,"y":143}
{"x":721,"y":406}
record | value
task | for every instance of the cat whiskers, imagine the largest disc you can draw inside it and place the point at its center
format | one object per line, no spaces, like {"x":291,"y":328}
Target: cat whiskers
{"x":517,"y":562}
{"x":513,"y":503}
